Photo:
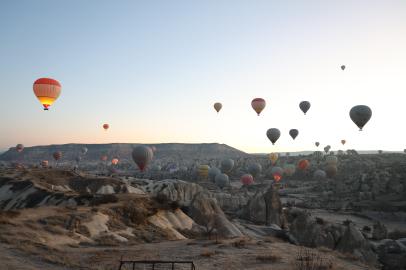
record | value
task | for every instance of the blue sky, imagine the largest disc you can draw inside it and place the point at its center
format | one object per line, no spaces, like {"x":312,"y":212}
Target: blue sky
{"x":152,"y":70}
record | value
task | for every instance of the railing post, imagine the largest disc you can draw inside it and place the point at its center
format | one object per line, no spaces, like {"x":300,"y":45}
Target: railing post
{"x":153,"y":265}
{"x":173,"y":266}
{"x":133,"y":265}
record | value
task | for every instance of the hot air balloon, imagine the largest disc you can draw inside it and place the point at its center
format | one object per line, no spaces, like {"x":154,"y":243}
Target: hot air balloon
{"x":318,"y":156}
{"x":343,"y":142}
{"x":289,"y":169}
{"x":326,"y":149}
{"x":348,"y":151}
{"x":293,"y":133}
{"x":203,"y":170}
{"x":303,"y":164}
{"x":258,"y":104}
{"x":32,"y":166}
{"x":78,"y":159}
{"x":227,"y":165}
{"x":212,"y":172}
{"x":331,"y":153}
{"x":380,"y":151}
{"x":173,"y":169}
{"x":17,"y":165}
{"x":340,"y":152}
{"x":360,"y":115}
{"x":247,"y":179}
{"x":104,"y":158}
{"x":84,"y":150}
{"x":106,"y":127}
{"x":273,"y":135}
{"x":254,"y":169}
{"x":44,"y":164}
{"x":20,"y":147}
{"x":404,"y":150}
{"x":221,"y":180}
{"x":342,"y":67}
{"x":331,"y":171}
{"x":304,"y":106}
{"x":47,"y":91}
{"x":287,"y":154}
{"x":142,"y":155}
{"x":115,"y":161}
{"x":319,"y":174}
{"x":153,"y":149}
{"x":273,"y":157}
{"x":277,"y":173}
{"x":332,"y":160}
{"x":317,"y":144}
{"x":156,"y":168}
{"x":182,"y":169}
{"x":57,"y":155}
{"x":112,"y":171}
{"x":218,"y":106}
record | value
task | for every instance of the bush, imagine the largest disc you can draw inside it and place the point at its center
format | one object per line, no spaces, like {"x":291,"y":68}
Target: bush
{"x":347,"y":222}
{"x":309,"y":259}
{"x":105,"y":199}
{"x":174,"y":205}
{"x":397,"y":234}
{"x":162,"y":199}
{"x":207,"y":253}
{"x":320,"y":221}
{"x":366,"y":228}
{"x":269,"y":258}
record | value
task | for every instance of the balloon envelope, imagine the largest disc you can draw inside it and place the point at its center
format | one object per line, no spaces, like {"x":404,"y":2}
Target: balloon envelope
{"x":273,"y":134}
{"x":332,"y":160}
{"x":106,"y":127}
{"x":212,"y":172}
{"x":44,"y":164}
{"x":247,"y":179}
{"x":153,"y":149}
{"x":221,"y":180}
{"x":112,"y":171}
{"x":303,"y":164}
{"x":277,"y":173}
{"x":104,"y":158}
{"x":203,"y":170}
{"x":318,"y":156}
{"x":273,"y":157}
{"x":258,"y":104}
{"x":84,"y":150}
{"x":218,"y":106}
{"x":304,"y":106}
{"x":343,"y":142}
{"x":317,"y":144}
{"x":380,"y":151}
{"x":360,"y":115}
{"x":319,"y":174}
{"x":342,"y":67}
{"x":227,"y":165}
{"x":254,"y":169}
{"x":293,"y":133}
{"x":78,"y":159}
{"x":156,"y":168}
{"x":47,"y":91}
{"x":289,"y":169}
{"x":182,"y":169}
{"x":115,"y":161}
{"x":173,"y":169}
{"x":331,"y":171}
{"x":57,"y":155}
{"x":142,"y":155}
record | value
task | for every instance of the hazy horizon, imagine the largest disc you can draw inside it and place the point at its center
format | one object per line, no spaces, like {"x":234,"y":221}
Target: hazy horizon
{"x":153,"y":71}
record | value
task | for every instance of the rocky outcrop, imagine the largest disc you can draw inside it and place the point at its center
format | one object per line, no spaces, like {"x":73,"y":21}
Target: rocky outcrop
{"x":274,"y":212}
{"x":379,"y":231}
{"x":329,"y":241}
{"x":354,"y":243}
{"x":255,"y":210}
{"x":305,"y":230}
{"x":200,"y":209}
{"x":216,"y":207}
{"x":231,"y":229}
{"x":231,"y":203}
{"x":177,"y":190}
{"x":391,"y":253}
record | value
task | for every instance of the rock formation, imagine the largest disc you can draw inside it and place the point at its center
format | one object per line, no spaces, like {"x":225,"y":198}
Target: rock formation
{"x":379,"y":231}
{"x":177,"y":190}
{"x":329,"y":241}
{"x":354,"y":243}
{"x":200,"y":209}
{"x":255,"y":210}
{"x":274,"y":212}
{"x":305,"y":230}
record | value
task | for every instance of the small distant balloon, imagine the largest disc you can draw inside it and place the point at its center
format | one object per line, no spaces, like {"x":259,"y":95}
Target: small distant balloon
{"x":44,"y":164}
{"x":380,"y":151}
{"x":331,"y":171}
{"x":84,"y":150}
{"x":254,"y":169}
{"x":106,"y":127}
{"x":112,"y":171}
{"x":318,"y":156}
{"x":227,"y":165}
{"x":153,"y":149}
{"x":293,"y":133}
{"x":156,"y":168}
{"x":212,"y":172}
{"x":277,"y":173}
{"x":222,"y":180}
{"x":289,"y":169}
{"x":104,"y":158}
{"x":203,"y":170}
{"x":173,"y":169}
{"x":115,"y":161}
{"x":303,"y":164}
{"x":273,"y":135}
{"x":247,"y":179}
{"x":317,"y":144}
{"x":342,"y":67}
{"x":258,"y":104}
{"x":273,"y":157}
{"x":57,"y":155}
{"x":343,"y":142}
{"x":20,"y":147}
{"x":319,"y":174}
{"x":360,"y":115}
{"x":332,"y":160}
{"x":78,"y":159}
{"x":304,"y":106}
{"x":142,"y":155}
{"x":182,"y":169}
{"x":218,"y":106}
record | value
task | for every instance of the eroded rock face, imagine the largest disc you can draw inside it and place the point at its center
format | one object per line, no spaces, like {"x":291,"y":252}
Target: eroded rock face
{"x":232,"y":230}
{"x":392,"y":253}
{"x":177,"y":190}
{"x":305,"y":230}
{"x":274,"y":212}
{"x":329,"y":241}
{"x":216,"y":207}
{"x":200,"y":209}
{"x":354,"y":243}
{"x":379,"y":231}
{"x":255,"y":210}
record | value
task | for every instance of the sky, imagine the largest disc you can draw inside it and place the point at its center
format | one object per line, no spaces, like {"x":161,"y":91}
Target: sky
{"x":153,"y":70}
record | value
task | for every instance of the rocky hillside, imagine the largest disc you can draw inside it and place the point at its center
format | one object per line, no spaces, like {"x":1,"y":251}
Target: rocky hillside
{"x":175,"y":151}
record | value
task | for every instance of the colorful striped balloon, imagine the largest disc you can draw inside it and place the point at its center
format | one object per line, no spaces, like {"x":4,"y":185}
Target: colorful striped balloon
{"x":57,"y":155}
{"x":115,"y":160}
{"x":332,"y":160}
{"x":47,"y":91}
{"x":258,"y":104}
{"x":44,"y":164}
{"x":204,"y":171}
{"x":289,"y":169}
{"x":318,"y":155}
{"x":104,"y":158}
{"x":303,"y":164}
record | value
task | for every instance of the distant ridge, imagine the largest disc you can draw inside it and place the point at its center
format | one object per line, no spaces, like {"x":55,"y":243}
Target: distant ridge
{"x":95,"y":151}
{"x":361,"y":152}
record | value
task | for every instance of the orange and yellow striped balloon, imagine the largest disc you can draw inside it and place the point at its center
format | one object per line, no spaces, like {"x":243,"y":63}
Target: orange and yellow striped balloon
{"x":303,"y":164}
{"x":47,"y":91}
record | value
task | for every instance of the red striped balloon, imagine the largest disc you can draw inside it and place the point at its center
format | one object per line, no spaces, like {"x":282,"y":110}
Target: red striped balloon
{"x":57,"y":155}
{"x":44,"y":164}
{"x":303,"y":164}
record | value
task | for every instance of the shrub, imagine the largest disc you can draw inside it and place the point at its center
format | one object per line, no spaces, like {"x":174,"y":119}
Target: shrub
{"x":366,"y":228}
{"x":55,"y":229}
{"x":269,"y":258}
{"x":347,"y":222}
{"x":175,"y":205}
{"x":207,"y":253}
{"x":162,"y":198}
{"x":269,"y":239}
{"x":309,"y":259}
{"x":397,"y":234}
{"x":320,"y":221}
{"x":105,"y":199}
